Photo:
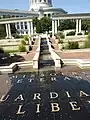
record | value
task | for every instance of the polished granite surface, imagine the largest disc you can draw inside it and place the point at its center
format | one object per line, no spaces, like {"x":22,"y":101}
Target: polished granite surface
{"x":46,"y":96}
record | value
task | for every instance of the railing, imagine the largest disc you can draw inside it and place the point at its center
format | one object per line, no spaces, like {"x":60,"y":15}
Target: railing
{"x":37,"y":54}
{"x":54,"y":56}
{"x":82,"y":63}
{"x":14,"y":66}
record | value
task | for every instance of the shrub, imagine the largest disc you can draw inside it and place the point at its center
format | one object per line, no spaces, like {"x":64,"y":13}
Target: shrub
{"x":70,"y":33}
{"x":73,"y":45}
{"x":22,"y":48}
{"x":15,"y":35}
{"x":23,"y":42}
{"x":60,"y":35}
{"x":79,"y":34}
{"x":87,"y":42}
{"x":86,"y":33}
{"x":26,"y":37}
{"x":60,"y":41}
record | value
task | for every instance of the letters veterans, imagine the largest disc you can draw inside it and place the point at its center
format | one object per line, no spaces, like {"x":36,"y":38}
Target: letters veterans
{"x":53,"y":98}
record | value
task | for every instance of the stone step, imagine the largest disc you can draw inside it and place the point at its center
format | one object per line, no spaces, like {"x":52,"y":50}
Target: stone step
{"x":45,"y":53}
{"x":43,"y":63}
{"x":45,"y":57}
{"x":44,"y":47}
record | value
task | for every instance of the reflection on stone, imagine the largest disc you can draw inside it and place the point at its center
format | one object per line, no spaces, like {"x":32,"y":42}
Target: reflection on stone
{"x":46,"y":96}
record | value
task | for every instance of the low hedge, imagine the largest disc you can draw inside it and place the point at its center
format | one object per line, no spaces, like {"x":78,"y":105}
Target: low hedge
{"x":73,"y":45}
{"x":79,"y":34}
{"x":23,"y":42}
{"x":22,"y":48}
{"x":70,"y":33}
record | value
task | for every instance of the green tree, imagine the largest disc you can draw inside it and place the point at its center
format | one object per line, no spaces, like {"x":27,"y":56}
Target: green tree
{"x":2,"y":31}
{"x":69,"y":24}
{"x":46,"y":24}
{"x":42,"y":25}
{"x":13,"y":29}
{"x":35,"y":21}
{"x":66,"y":24}
{"x":37,"y":24}
{"x":84,"y":25}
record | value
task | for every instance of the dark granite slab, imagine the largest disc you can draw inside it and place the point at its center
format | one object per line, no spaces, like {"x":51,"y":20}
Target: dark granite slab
{"x":46,"y":96}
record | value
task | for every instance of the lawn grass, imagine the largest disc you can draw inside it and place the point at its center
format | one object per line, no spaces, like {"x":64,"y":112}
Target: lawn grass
{"x":11,"y":51}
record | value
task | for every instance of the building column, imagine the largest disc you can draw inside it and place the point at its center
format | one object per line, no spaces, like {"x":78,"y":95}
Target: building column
{"x":80,"y":26}
{"x":77,"y":27}
{"x":31,"y":27}
{"x":9,"y":31}
{"x":34,"y":30}
{"x":53,"y":29}
{"x":55,"y":26}
{"x":20,"y":28}
{"x":24,"y":28}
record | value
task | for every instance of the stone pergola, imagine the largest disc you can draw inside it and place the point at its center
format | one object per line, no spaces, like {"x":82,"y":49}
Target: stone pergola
{"x":78,"y":17}
{"x":8,"y":21}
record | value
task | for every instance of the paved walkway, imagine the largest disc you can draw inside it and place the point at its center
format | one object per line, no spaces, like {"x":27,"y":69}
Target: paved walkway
{"x":71,"y":54}
{"x":30,"y":56}
{"x":53,"y":42}
{"x":75,"y":55}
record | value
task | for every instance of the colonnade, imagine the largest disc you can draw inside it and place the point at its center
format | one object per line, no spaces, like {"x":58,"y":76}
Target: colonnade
{"x":30,"y":28}
{"x":56,"y":23}
{"x":8,"y":31}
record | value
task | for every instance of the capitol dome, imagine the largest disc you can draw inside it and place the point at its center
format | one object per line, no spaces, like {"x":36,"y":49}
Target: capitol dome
{"x":37,"y":4}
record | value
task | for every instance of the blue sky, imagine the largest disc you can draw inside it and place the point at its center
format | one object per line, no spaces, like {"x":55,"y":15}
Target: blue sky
{"x":71,"y":6}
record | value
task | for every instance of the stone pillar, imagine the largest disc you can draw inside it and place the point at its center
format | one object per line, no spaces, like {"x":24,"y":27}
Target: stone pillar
{"x":80,"y":26}
{"x":9,"y":31}
{"x":34,"y":30}
{"x":77,"y":27}
{"x":55,"y":26}
{"x":24,"y":28}
{"x":53,"y":29}
{"x":31,"y":27}
{"x":42,"y":0}
{"x":20,"y":28}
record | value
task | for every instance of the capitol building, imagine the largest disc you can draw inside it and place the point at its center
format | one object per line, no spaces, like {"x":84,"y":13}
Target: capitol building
{"x":38,"y":8}
{"x":23,"y":20}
